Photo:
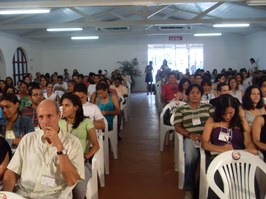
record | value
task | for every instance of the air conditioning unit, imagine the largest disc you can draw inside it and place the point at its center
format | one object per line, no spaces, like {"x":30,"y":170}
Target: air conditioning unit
{"x":175,"y":27}
{"x":114,"y":28}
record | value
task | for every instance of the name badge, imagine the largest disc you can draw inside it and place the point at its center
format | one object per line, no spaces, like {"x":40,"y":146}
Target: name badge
{"x":48,"y":181}
{"x":10,"y":134}
{"x":196,"y":121}
{"x":223,"y":137}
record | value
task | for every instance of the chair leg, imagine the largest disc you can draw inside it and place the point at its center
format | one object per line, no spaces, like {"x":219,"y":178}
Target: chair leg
{"x":92,"y":187}
{"x":106,"y":153}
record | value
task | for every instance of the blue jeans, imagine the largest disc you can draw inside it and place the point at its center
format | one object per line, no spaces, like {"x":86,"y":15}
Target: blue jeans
{"x":192,"y":156}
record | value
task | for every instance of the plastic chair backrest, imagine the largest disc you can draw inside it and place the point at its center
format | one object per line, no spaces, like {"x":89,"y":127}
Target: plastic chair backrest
{"x":237,"y":169}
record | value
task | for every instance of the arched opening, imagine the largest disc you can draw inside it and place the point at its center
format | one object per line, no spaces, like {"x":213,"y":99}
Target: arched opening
{"x":20,"y":65}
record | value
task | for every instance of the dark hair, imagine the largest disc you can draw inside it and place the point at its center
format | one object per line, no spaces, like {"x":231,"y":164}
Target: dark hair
{"x":60,"y":77}
{"x":9,"y":86}
{"x":80,"y":88}
{"x":224,"y":101}
{"x":191,"y":86}
{"x":233,"y":78}
{"x":206,"y":81}
{"x":247,"y":103}
{"x":182,"y":81}
{"x":220,"y":85}
{"x":252,"y":60}
{"x":73,"y":82}
{"x":25,"y":83}
{"x":218,"y":76}
{"x":10,"y":97}
{"x":102,"y":86}
{"x":241,"y":75}
{"x":33,"y":88}
{"x":261,"y":80}
{"x":10,"y":78}
{"x":79,"y":116}
{"x":171,"y":73}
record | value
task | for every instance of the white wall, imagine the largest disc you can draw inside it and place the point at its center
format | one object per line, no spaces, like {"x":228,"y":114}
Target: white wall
{"x":88,"y":56}
{"x":8,"y":46}
{"x":255,"y":46}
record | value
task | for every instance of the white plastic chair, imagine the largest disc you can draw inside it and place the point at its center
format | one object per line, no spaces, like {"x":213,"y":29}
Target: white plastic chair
{"x":99,"y":155}
{"x":237,"y":169}
{"x":112,"y":136}
{"x":179,"y":160}
{"x":164,"y":129}
{"x":92,"y":186}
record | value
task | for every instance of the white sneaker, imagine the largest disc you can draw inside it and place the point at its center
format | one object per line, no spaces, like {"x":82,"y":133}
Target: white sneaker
{"x":188,"y":195}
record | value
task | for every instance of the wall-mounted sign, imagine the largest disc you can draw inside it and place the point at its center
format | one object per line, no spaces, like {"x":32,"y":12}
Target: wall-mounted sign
{"x":175,"y":38}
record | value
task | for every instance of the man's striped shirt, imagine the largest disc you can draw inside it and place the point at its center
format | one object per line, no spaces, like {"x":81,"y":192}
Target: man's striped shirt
{"x":186,"y":114}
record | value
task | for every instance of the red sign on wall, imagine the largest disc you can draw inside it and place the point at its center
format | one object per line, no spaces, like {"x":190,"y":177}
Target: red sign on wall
{"x":175,"y":38}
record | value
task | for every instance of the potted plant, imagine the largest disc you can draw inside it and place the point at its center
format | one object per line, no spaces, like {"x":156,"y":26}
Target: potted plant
{"x":129,"y":68}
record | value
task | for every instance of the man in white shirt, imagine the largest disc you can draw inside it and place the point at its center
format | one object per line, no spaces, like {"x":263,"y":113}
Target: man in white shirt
{"x":90,"y":110}
{"x":46,"y":161}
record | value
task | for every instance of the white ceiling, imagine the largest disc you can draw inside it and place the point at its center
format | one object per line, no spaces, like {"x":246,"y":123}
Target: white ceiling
{"x":96,"y":17}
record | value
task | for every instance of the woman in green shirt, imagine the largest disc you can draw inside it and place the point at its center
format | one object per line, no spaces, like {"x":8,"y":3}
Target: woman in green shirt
{"x":74,"y":122}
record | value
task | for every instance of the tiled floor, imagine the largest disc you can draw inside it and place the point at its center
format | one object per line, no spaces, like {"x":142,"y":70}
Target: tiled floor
{"x":141,"y":170}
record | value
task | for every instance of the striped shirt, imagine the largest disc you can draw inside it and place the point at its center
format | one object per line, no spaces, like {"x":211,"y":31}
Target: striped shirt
{"x":193,"y":119}
{"x":30,"y":112}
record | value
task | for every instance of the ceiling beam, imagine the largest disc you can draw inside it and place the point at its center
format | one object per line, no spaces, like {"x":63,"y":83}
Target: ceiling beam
{"x":82,"y":3}
{"x":205,"y":12}
{"x":131,"y":23}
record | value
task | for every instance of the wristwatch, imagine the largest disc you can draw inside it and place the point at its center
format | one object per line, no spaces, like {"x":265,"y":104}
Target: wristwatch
{"x":63,"y":152}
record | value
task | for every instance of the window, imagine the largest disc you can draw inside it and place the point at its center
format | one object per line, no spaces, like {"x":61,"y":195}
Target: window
{"x":20,"y":65}
{"x":179,"y":56}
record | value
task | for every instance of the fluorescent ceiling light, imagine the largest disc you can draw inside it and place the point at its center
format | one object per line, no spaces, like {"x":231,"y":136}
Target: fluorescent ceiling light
{"x":84,"y":37}
{"x":24,"y":11}
{"x":231,"y":25}
{"x":256,"y":2}
{"x":207,"y":34}
{"x":63,"y":29}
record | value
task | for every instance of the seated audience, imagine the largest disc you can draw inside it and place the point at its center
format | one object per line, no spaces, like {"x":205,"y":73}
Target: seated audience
{"x":189,"y":121}
{"x":107,"y":103}
{"x":60,"y":87}
{"x":252,"y":104}
{"x":234,"y":89}
{"x":262,"y":86}
{"x":222,"y":88}
{"x":206,"y":85}
{"x":90,"y":110}
{"x":75,"y":123}
{"x":23,"y":94}
{"x":169,"y":89}
{"x":5,"y":156}
{"x":50,"y":94}
{"x":9,"y":81}
{"x":71,"y":85}
{"x":119,"y":87}
{"x":46,"y":161}
{"x":226,"y":130}
{"x":182,"y":87}
{"x":259,"y":133}
{"x":16,"y":125}
{"x":36,"y":96}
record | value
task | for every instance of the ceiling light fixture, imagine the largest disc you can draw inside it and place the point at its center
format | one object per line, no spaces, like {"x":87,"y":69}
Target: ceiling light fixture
{"x":231,"y":25}
{"x":24,"y":11}
{"x":256,"y":2}
{"x":63,"y":29}
{"x":84,"y":37}
{"x":207,"y":34}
